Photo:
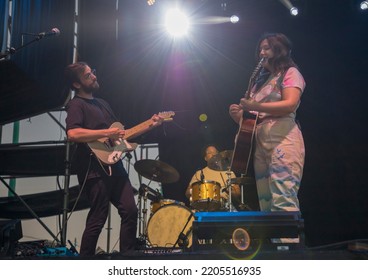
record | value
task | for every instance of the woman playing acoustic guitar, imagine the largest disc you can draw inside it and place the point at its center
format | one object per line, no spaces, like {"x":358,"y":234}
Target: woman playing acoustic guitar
{"x":279,"y":146}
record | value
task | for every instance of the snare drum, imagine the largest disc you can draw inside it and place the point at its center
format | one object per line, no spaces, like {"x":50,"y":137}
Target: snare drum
{"x":206,"y":196}
{"x":171,"y":225}
{"x":155,"y":205}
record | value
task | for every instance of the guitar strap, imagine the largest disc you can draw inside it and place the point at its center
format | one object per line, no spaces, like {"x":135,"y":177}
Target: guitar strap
{"x":108,"y":109}
{"x":281,"y":78}
{"x":103,"y":167}
{"x":101,"y":104}
{"x":279,"y":84}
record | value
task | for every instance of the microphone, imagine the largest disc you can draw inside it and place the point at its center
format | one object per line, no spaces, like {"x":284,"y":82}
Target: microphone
{"x":54,"y":32}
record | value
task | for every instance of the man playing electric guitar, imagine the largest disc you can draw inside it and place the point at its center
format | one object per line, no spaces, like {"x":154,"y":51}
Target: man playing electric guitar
{"x":88,"y":120}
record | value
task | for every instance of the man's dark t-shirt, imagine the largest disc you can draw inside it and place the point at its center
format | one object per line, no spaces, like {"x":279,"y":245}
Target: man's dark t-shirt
{"x":90,"y":114}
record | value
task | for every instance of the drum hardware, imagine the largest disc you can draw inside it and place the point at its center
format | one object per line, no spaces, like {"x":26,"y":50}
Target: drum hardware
{"x":183,"y":237}
{"x":228,"y":187}
{"x":161,"y":172}
{"x":153,"y":195}
{"x":145,"y":192}
{"x":222,"y":162}
{"x":170,"y":227}
{"x":243,"y":181}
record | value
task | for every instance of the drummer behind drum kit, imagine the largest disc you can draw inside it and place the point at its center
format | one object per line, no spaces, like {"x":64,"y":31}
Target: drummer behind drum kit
{"x":170,"y":221}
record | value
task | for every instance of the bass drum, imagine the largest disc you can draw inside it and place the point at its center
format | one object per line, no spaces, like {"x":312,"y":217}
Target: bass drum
{"x":171,"y":225}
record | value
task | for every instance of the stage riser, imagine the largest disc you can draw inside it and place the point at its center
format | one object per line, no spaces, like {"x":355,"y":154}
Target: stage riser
{"x":212,"y":230}
{"x":261,"y":231}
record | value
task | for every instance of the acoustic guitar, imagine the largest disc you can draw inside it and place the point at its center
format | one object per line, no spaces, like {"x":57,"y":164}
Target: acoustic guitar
{"x":110,"y":151}
{"x":245,"y":136}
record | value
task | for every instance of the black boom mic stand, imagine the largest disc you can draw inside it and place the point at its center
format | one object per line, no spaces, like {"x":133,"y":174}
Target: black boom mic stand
{"x":37,"y":38}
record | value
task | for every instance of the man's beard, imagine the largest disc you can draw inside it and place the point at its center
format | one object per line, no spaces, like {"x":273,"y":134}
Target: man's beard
{"x":92,"y":88}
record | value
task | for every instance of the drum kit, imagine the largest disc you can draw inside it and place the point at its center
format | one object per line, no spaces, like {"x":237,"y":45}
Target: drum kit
{"x":170,"y":222}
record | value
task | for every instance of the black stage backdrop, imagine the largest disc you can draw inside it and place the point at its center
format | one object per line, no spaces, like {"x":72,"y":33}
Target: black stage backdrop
{"x":143,"y":71}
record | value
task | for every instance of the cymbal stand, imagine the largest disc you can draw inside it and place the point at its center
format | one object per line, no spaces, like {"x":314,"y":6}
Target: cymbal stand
{"x":228,"y":187}
{"x":142,"y":194}
{"x":142,"y":213}
{"x":242,"y":205}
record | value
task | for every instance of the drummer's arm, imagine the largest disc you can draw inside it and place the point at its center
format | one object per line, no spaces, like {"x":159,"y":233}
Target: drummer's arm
{"x":235,"y":191}
{"x":187,"y":192}
{"x":189,"y":188}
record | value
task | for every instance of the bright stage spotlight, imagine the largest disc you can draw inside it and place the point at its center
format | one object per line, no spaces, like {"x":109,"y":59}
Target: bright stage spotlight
{"x":176,"y":22}
{"x":364,"y":5}
{"x":294,"y":11}
{"x":234,"y":19}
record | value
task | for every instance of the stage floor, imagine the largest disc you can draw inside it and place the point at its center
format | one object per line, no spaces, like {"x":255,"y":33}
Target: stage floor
{"x":232,"y":255}
{"x":227,"y":252}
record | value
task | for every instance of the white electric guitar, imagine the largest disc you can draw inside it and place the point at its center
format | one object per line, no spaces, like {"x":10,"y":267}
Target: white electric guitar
{"x":110,"y":151}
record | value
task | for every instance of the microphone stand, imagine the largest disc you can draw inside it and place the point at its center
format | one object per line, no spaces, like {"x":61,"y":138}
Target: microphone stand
{"x":66,"y":194}
{"x":13,"y":50}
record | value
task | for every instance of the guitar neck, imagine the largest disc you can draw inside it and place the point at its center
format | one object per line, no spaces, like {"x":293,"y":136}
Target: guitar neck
{"x":138,"y":129}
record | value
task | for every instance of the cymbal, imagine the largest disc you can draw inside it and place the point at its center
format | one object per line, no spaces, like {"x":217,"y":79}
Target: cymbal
{"x":243,"y":181}
{"x":157,"y":171}
{"x":221,"y":161}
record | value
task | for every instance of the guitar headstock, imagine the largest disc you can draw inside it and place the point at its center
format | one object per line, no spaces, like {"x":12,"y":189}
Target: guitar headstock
{"x":167,"y":115}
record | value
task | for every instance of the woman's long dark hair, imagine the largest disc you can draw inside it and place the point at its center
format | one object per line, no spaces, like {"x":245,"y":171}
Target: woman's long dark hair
{"x":281,"y":47}
{"x":281,"y":62}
